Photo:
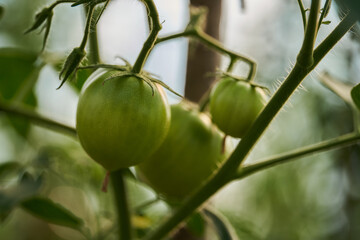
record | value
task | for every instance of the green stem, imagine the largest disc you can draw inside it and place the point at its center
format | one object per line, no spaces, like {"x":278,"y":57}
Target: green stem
{"x":216,"y":45}
{"x":37,"y":119}
{"x":52,"y":6}
{"x":173,"y":36}
{"x":305,"y":56}
{"x":229,"y":169}
{"x":121,"y":201}
{"x":303,"y":14}
{"x":341,"y":141}
{"x":94,"y":56}
{"x":232,"y":64}
{"x":150,"y":41}
{"x":88,"y":26}
{"x":324,"y":12}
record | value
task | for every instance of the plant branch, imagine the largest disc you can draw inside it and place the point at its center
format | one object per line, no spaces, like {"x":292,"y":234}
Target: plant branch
{"x":94,"y":56}
{"x":334,"y":143}
{"x":150,"y":41}
{"x":37,"y":119}
{"x":305,"y":56}
{"x":89,"y":18}
{"x":229,"y":169}
{"x":121,"y":201}
{"x":324,"y":13}
{"x":303,"y":14}
{"x":212,"y":43}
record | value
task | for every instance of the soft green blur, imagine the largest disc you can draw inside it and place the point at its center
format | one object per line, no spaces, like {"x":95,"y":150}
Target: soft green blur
{"x":317,"y":197}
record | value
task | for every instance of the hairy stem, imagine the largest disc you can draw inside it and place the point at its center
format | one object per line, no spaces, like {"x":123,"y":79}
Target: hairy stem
{"x":150,"y":41}
{"x":216,"y":45}
{"x":121,"y":201}
{"x":345,"y":140}
{"x":229,"y":169}
{"x":305,"y":56}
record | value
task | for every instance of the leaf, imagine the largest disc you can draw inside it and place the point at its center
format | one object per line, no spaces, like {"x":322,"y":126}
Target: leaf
{"x":2,"y":10}
{"x":51,"y":212}
{"x":355,"y":95}
{"x":12,"y":196}
{"x":339,"y":88}
{"x":18,"y":75}
{"x":8,"y":168}
{"x":223,"y":228}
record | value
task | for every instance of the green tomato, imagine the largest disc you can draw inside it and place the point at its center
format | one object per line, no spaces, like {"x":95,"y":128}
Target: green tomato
{"x":234,"y":105}
{"x":190,"y":153}
{"x":119,"y":121}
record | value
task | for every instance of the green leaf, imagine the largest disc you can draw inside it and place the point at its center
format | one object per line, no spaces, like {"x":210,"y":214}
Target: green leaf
{"x":9,"y":168}
{"x":12,"y":196}
{"x":18,"y":74}
{"x":2,"y":10}
{"x":223,"y":228}
{"x":339,"y":88}
{"x":355,"y":95}
{"x":51,"y":212}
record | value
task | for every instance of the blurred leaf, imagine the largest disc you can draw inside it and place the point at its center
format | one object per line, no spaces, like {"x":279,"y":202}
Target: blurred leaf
{"x":245,"y":229}
{"x":18,"y":75}
{"x":223,"y":228}
{"x":51,"y":212}
{"x":355,"y":94}
{"x":2,"y":10}
{"x":196,"y":225}
{"x":339,"y":88}
{"x":9,"y":168}
{"x":12,"y":196}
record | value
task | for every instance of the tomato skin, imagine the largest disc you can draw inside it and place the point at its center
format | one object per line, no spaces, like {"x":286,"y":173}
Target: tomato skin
{"x":119,"y":122}
{"x":234,"y":105}
{"x":190,"y":153}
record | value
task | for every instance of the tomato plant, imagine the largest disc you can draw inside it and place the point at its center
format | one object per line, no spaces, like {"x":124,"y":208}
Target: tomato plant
{"x":124,"y":123}
{"x":190,"y":153}
{"x":120,"y":121}
{"x":235,"y":104}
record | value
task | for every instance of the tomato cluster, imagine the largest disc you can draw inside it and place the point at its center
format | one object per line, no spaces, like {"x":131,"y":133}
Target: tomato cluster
{"x":122,"y":121}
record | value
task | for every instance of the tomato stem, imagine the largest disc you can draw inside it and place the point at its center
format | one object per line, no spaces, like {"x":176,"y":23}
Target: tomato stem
{"x":333,"y":143}
{"x":212,"y":43}
{"x":89,"y":17}
{"x":37,"y":119}
{"x":229,"y":169}
{"x":305,"y":56}
{"x":303,"y":13}
{"x":154,"y":22}
{"x":121,"y":201}
{"x":94,"y":56}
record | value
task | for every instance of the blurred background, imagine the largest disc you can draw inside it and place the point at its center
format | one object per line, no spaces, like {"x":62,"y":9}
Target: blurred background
{"x":317,"y":197}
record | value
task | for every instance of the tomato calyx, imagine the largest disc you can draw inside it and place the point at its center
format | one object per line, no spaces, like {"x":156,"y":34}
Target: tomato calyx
{"x":126,"y":71}
{"x":237,"y":78}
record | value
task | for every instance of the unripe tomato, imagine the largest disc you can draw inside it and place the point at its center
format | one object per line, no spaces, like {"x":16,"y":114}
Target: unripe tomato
{"x":234,"y":105}
{"x":190,"y":153}
{"x":119,"y":121}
